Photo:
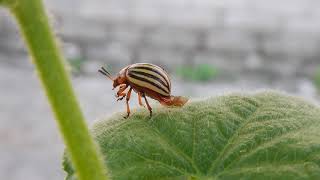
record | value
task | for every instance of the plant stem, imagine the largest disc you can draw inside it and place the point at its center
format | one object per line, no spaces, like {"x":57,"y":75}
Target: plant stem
{"x":5,"y":2}
{"x":42,"y":46}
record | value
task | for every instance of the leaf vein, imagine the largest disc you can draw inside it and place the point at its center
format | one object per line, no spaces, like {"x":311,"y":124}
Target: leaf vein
{"x":230,"y":140}
{"x":173,"y":147}
{"x":182,"y":171}
{"x":272,"y":140}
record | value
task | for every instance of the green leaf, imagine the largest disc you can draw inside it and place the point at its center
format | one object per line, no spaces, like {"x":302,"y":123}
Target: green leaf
{"x":261,"y":136}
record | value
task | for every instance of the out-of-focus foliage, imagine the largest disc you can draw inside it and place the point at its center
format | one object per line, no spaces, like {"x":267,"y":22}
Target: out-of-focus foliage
{"x":76,"y":64}
{"x":201,"y":72}
{"x":317,"y":78}
{"x":262,"y":136}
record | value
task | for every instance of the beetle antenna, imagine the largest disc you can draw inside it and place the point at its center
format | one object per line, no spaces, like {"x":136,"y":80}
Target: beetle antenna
{"x":105,"y":72}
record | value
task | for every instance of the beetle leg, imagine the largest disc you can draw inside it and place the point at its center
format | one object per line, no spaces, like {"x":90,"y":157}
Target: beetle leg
{"x":139,"y":99}
{"x":148,"y":106}
{"x":127,"y":102}
{"x":122,"y":88}
{"x":121,"y":93}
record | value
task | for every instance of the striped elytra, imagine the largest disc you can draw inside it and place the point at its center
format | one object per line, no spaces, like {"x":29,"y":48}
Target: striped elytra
{"x":149,"y":76}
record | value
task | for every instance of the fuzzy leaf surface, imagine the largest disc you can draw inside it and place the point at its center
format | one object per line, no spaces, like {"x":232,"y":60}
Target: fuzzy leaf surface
{"x":261,"y":136}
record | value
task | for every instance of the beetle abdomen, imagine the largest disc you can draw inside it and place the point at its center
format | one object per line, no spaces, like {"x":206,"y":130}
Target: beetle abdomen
{"x":151,"y":77}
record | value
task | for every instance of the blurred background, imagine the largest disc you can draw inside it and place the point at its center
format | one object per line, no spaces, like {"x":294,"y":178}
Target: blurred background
{"x":209,"y":47}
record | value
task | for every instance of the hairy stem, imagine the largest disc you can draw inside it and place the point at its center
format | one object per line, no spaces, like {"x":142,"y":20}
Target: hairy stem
{"x":45,"y":54}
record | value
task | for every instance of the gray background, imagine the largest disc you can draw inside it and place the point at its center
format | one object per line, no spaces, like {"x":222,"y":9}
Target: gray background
{"x":255,"y":45}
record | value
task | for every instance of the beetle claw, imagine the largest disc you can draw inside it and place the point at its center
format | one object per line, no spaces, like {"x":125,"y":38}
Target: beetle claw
{"x":126,"y":117}
{"x":119,"y":99}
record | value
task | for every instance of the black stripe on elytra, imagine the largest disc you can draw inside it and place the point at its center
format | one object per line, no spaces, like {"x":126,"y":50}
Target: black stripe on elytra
{"x":148,"y":81}
{"x":150,"y":76}
{"x":153,"y":70}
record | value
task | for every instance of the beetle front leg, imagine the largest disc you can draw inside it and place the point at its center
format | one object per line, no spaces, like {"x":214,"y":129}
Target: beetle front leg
{"x":127,"y":102}
{"x":120,"y":94}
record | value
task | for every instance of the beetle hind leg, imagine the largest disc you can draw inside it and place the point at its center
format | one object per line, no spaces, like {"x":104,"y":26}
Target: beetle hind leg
{"x":148,"y":105}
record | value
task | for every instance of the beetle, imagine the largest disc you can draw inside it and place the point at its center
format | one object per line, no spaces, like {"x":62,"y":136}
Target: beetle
{"x":146,"y":80}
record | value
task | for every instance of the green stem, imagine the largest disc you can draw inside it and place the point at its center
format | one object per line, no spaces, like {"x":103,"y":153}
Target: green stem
{"x":5,"y":2}
{"x":42,"y":46}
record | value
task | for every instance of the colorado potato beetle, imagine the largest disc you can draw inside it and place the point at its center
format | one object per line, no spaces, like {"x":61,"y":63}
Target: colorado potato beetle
{"x":146,"y":80}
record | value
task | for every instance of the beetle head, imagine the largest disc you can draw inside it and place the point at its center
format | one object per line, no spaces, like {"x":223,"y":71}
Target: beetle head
{"x":121,"y":78}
